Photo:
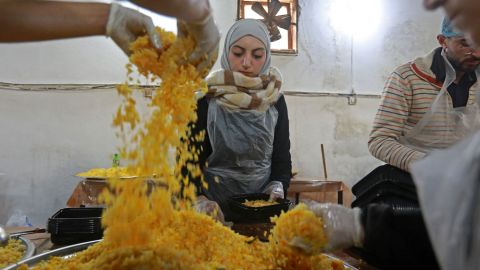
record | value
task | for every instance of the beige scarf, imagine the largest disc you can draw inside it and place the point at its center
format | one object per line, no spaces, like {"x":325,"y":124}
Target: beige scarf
{"x":236,"y":91}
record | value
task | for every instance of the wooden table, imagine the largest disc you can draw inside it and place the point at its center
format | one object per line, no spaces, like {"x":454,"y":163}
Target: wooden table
{"x":308,"y":184}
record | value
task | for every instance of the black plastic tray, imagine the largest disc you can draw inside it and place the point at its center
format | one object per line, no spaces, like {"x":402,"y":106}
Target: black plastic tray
{"x":246,"y":214}
{"x":75,"y":225}
{"x":385,"y":174}
{"x":386,"y":192}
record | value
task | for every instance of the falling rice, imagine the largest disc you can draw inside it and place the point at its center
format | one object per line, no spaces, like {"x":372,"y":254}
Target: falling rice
{"x":161,"y":230}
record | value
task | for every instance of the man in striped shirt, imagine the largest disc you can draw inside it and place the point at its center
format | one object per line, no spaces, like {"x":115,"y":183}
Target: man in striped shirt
{"x":395,"y":233}
{"x":410,"y":91}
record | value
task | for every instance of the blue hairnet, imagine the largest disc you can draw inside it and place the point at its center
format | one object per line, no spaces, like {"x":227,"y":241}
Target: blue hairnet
{"x":449,"y":30}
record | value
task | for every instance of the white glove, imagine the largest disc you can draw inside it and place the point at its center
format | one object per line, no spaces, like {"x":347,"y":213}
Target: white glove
{"x":342,"y":225}
{"x":210,"y":208}
{"x":124,"y":25}
{"x":275,"y":190}
{"x":207,"y":37}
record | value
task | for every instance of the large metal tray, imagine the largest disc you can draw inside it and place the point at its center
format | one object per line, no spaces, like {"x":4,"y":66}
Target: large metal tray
{"x":345,"y":264}
{"x":69,"y":251}
{"x":60,"y":252}
{"x":29,"y":249}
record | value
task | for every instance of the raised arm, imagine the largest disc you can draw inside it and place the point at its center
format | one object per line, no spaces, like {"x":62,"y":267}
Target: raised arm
{"x":30,"y":20}
{"x":185,"y":10}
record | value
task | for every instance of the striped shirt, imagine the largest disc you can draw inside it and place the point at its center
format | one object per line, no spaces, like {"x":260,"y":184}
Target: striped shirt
{"x":408,"y":94}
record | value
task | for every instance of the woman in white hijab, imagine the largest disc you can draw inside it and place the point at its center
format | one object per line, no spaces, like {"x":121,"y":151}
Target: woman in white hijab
{"x":247,"y":146}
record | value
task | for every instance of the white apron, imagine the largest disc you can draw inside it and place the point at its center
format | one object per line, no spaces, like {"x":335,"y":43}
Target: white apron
{"x":443,"y":125}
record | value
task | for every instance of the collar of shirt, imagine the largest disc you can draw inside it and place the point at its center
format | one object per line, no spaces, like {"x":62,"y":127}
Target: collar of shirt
{"x":458,"y":92}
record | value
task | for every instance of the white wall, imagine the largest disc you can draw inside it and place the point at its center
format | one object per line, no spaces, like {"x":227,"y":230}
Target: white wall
{"x":48,"y":136}
{"x":342,"y":128}
{"x":323,"y":63}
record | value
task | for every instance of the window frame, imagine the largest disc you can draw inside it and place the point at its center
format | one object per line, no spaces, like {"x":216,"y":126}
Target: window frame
{"x":292,"y":10}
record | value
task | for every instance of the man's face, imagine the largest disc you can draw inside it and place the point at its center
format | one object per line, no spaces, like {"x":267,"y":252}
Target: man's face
{"x":460,"y":54}
{"x":465,"y":14}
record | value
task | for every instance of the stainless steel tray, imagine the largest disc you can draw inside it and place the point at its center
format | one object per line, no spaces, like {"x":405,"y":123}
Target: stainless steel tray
{"x":29,"y":247}
{"x":99,"y":178}
{"x":345,"y":264}
{"x":69,"y":251}
{"x":61,"y":252}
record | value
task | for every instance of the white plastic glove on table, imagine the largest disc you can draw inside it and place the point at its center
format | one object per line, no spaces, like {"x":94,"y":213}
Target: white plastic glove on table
{"x":275,"y":190}
{"x":210,"y":208}
{"x":342,"y":225}
{"x":124,"y":25}
{"x":207,"y":37}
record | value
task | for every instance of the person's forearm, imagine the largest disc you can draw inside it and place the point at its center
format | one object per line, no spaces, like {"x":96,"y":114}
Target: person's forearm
{"x":392,"y":152}
{"x":186,"y":10}
{"x":43,"y":20}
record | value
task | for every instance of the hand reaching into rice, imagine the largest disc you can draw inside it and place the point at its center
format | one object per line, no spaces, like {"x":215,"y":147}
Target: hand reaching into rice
{"x":298,"y":238}
{"x":210,"y":208}
{"x":321,"y":227}
{"x":299,"y":223}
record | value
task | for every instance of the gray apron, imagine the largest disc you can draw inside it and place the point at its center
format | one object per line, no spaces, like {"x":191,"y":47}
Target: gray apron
{"x":443,"y":125}
{"x":242,"y":146}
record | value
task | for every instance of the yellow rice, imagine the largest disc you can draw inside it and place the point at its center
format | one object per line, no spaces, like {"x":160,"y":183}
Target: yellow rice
{"x":12,"y":252}
{"x":258,"y":203}
{"x":161,"y":230}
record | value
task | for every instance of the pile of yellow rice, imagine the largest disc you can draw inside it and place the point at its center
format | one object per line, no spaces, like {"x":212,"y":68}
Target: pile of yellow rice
{"x":12,"y":252}
{"x":161,"y":230}
{"x":114,"y":172}
{"x":258,"y":203}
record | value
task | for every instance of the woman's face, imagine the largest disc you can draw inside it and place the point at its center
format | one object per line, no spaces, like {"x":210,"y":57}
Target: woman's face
{"x":247,"y":56}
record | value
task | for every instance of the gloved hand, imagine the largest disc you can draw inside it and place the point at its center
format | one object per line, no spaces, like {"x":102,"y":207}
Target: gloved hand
{"x":210,"y":208}
{"x":124,"y":25}
{"x":342,"y":225}
{"x":275,"y":190}
{"x":207,"y":37}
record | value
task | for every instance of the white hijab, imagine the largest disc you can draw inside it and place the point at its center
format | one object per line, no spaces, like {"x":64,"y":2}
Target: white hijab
{"x":247,"y":27}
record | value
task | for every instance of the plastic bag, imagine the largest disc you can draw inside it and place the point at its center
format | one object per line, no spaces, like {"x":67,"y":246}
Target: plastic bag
{"x":275,"y":190}
{"x":442,"y":125}
{"x":242,"y":143}
{"x":448,"y":185}
{"x":18,"y":219}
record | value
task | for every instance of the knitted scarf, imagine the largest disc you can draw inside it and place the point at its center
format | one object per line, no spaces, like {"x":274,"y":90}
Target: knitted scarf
{"x":236,"y":91}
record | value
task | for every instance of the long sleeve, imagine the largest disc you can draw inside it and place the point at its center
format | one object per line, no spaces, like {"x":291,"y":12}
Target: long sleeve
{"x":391,"y":122}
{"x":281,"y":159}
{"x":204,"y":146}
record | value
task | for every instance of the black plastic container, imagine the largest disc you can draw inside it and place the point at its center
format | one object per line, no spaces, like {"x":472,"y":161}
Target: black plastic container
{"x":386,"y":184}
{"x":387,"y":175}
{"x":247,"y":214}
{"x":75,"y":225}
{"x":386,"y":192}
